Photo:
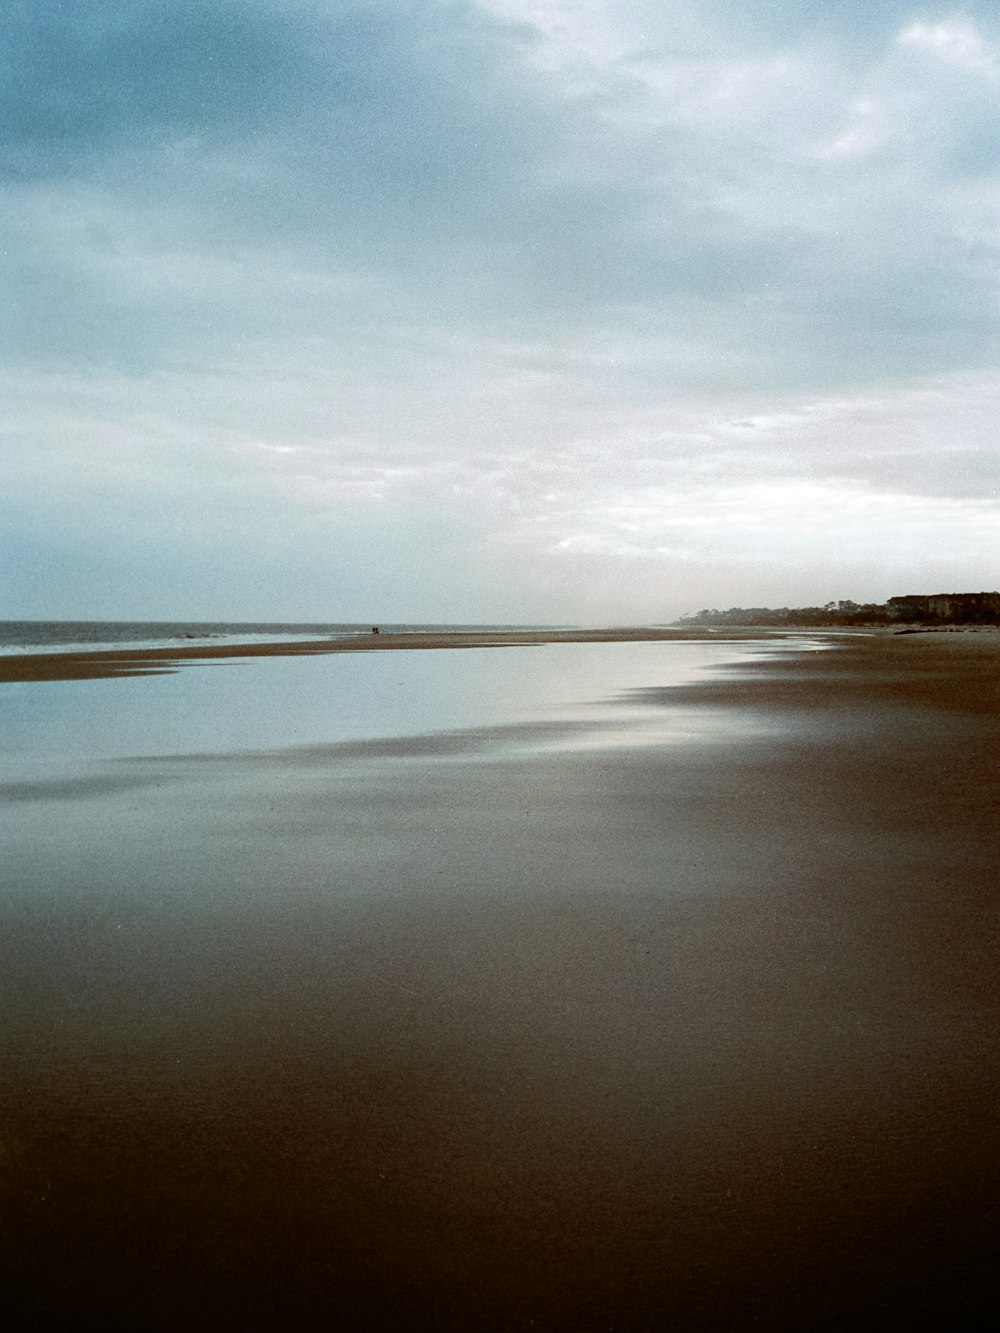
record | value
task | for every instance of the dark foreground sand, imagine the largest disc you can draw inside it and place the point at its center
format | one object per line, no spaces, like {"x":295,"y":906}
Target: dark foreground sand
{"x":694,"y":1037}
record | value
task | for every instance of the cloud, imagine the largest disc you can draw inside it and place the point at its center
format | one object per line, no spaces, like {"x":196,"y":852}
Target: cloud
{"x":772,"y":522}
{"x":84,"y":79}
{"x":955,"y":42}
{"x":541,"y":283}
{"x":697,"y":192}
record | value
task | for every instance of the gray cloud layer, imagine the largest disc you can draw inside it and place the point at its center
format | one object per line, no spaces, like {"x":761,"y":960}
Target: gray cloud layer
{"x":478,"y":291}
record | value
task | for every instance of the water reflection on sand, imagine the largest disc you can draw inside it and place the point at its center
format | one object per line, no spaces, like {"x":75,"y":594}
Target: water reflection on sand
{"x":270,"y":703}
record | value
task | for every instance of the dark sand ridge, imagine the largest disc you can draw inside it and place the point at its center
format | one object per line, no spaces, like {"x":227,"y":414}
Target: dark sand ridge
{"x":153,"y":661}
{"x":692,"y":1037}
{"x":958,"y":670}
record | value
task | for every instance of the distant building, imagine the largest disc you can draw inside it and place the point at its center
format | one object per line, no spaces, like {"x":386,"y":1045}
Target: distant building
{"x":955,"y":608}
{"x":907,"y":608}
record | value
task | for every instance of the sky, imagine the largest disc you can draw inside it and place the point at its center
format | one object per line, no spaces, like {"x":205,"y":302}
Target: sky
{"x":573,"y":311}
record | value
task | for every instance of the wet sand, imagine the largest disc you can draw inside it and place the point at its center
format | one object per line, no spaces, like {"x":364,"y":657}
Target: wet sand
{"x":150,"y":661}
{"x":698,"y":1036}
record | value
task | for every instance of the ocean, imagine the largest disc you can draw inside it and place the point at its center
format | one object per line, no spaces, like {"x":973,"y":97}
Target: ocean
{"x":50,"y":636}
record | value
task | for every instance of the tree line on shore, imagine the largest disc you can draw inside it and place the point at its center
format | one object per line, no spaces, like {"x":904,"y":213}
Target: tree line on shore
{"x":971,"y":608}
{"x":833,"y":613}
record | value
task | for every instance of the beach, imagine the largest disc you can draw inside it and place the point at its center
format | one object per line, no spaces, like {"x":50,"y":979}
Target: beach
{"x":147,"y":661}
{"x":500,"y":1021}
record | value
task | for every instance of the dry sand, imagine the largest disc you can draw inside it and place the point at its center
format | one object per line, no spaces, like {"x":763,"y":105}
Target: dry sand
{"x":694,"y":1037}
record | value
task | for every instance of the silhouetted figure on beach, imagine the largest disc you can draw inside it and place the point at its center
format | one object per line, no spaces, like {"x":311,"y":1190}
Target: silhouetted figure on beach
{"x":375,"y":629}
